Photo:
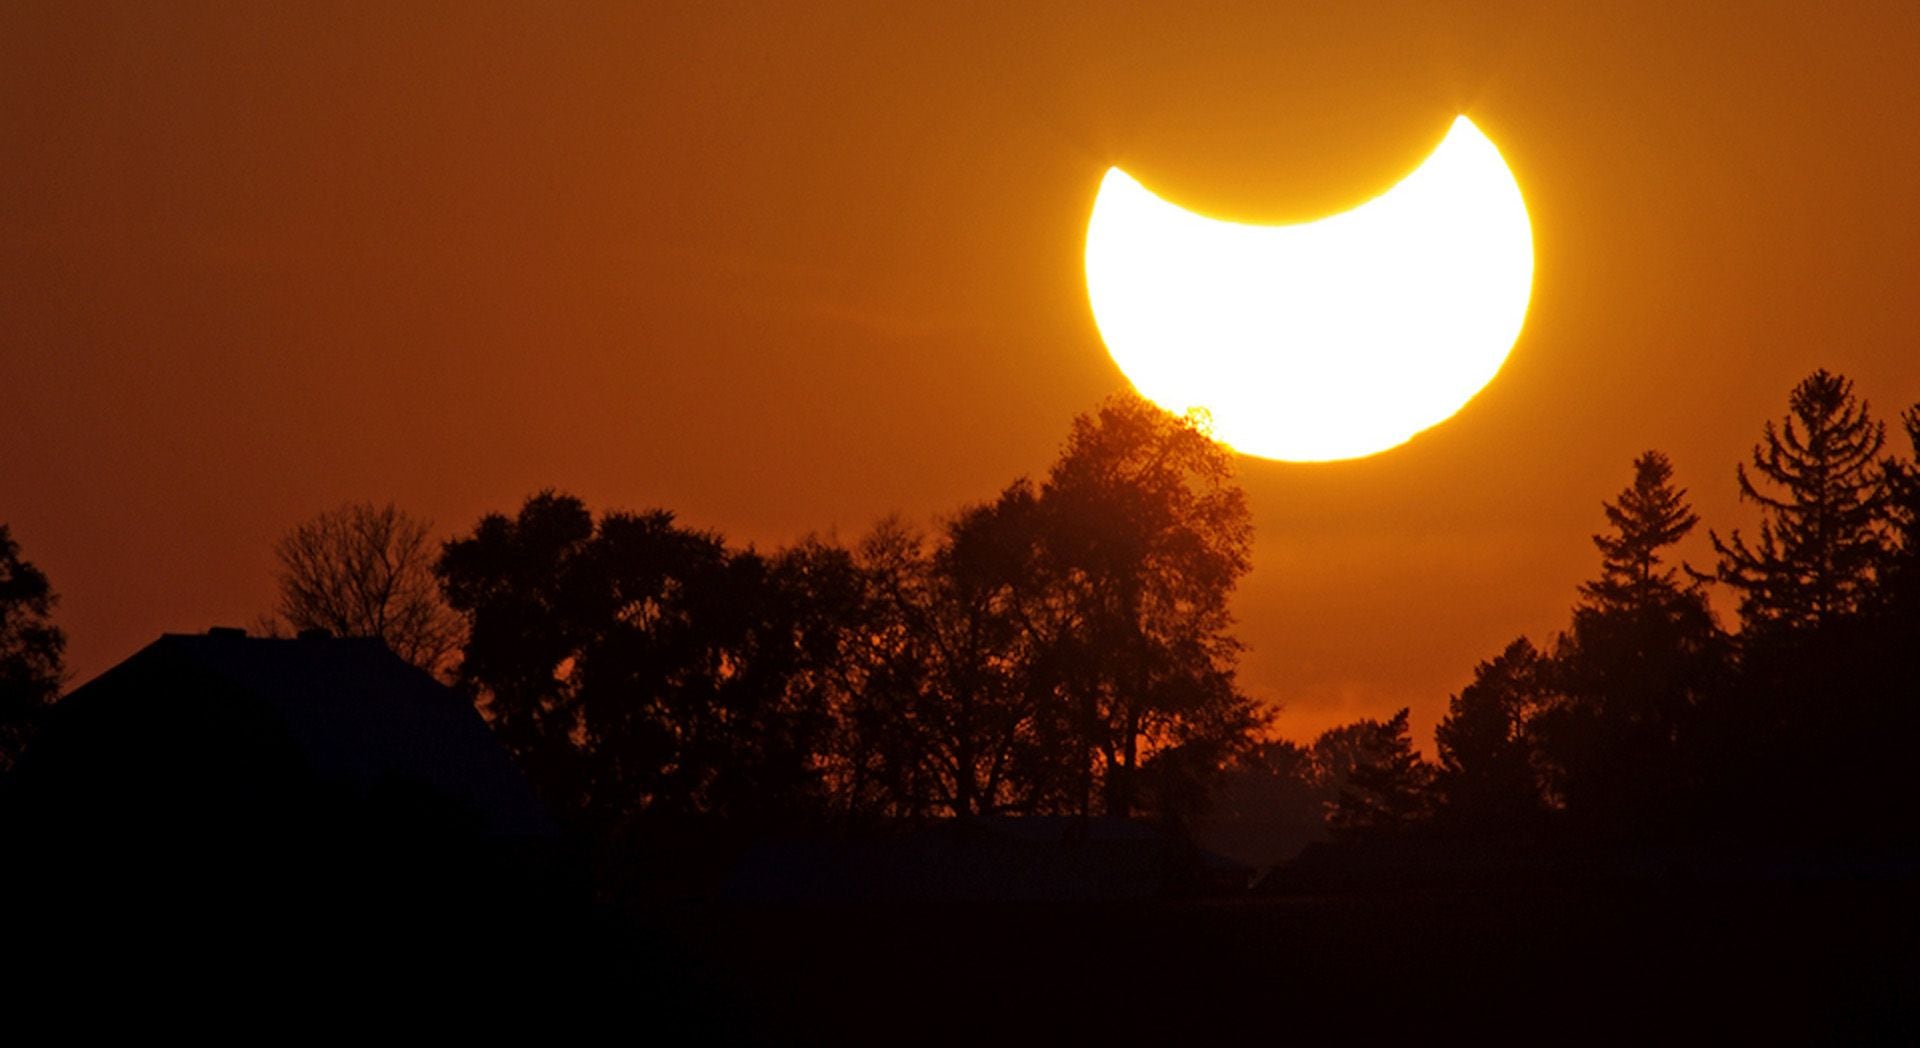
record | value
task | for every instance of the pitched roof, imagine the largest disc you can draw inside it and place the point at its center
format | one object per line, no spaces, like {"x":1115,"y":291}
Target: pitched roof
{"x":356,"y":714}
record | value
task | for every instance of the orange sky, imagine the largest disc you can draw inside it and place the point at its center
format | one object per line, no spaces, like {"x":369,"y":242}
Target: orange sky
{"x":786,"y":267}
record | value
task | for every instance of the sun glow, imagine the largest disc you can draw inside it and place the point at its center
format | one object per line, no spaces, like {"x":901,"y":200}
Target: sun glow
{"x":1324,"y":340}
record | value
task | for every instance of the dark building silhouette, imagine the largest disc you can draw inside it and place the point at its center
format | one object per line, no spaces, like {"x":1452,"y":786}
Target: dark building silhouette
{"x":309,"y":813}
{"x":208,"y":731}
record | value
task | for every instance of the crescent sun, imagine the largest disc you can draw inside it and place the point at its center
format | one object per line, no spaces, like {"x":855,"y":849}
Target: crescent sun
{"x":1324,"y":340}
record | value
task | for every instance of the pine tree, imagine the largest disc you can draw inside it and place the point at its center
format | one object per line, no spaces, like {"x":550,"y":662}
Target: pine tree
{"x":1639,"y":633}
{"x":1900,"y":588}
{"x":1822,"y":537}
{"x":1647,"y":518}
{"x":1642,"y":652}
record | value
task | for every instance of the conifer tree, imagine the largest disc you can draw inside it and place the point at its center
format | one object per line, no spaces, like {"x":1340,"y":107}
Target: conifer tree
{"x":1642,"y":652}
{"x":1822,"y":536}
{"x":1901,"y":586}
{"x":1648,"y":517}
{"x":1638,"y":625}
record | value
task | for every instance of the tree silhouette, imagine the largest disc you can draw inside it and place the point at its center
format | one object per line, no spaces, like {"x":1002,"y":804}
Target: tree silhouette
{"x":1048,"y":648}
{"x":1821,"y":536}
{"x":875,"y":762}
{"x":1489,"y":773}
{"x":1830,"y":712}
{"x":951,"y":694}
{"x":1900,"y":587}
{"x":1267,"y":803}
{"x":1647,"y":517}
{"x":1055,"y":642}
{"x":1377,"y":781}
{"x":1889,"y":719}
{"x":367,"y":571}
{"x":31,"y":648}
{"x":685,"y":699}
{"x":1143,"y":538}
{"x":637,"y":667}
{"x":518,"y":582}
{"x":1641,"y":654}
{"x":866,"y":754}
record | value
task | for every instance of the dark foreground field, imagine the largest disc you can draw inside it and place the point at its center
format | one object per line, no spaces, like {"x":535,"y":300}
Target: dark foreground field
{"x":1829,"y":959}
{"x":1834,"y":962}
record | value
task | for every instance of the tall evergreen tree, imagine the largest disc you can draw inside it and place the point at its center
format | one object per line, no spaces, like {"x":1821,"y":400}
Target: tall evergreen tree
{"x":1901,"y":586}
{"x":1803,"y":746}
{"x":1642,"y":653}
{"x":1648,"y":517}
{"x":1640,"y":623}
{"x":1822,"y":536}
{"x":1885,"y":666}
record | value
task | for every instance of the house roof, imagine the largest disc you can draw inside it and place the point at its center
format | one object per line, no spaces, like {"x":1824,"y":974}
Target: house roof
{"x":356,"y":714}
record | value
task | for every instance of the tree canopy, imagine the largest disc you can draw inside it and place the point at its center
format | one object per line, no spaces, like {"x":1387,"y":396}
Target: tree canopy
{"x":1489,"y":758}
{"x":1066,"y":647}
{"x":1144,"y":538}
{"x":1035,"y":656}
{"x":31,"y":649}
{"x":637,"y":667}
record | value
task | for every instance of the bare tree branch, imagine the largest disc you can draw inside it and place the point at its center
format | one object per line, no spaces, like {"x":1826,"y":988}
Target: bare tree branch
{"x":367,"y":571}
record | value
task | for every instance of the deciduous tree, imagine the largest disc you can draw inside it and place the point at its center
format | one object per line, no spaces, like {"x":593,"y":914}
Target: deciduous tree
{"x":1143,"y":538}
{"x":1378,"y":783}
{"x":640,"y":668}
{"x":525,"y":586}
{"x":1490,"y":772}
{"x":367,"y":571}
{"x":957,"y":662}
{"x":31,"y":649}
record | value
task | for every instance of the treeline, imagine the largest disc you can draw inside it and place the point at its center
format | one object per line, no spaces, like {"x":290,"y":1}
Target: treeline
{"x":1648,"y":720}
{"x":1650,"y":723}
{"x":1062,"y":648}
{"x":1066,"y":648}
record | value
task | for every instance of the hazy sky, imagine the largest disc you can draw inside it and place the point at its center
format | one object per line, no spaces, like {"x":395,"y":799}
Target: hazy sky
{"x":786,"y":268}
